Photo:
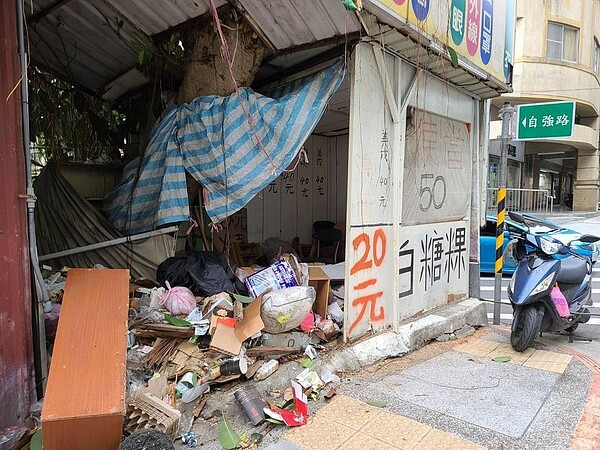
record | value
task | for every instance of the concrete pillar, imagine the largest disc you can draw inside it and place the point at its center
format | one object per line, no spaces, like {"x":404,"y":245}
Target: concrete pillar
{"x":537,"y":164}
{"x":586,"y":186}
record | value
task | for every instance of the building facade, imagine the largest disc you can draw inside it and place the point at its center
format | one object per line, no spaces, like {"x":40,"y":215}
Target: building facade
{"x":557,"y":58}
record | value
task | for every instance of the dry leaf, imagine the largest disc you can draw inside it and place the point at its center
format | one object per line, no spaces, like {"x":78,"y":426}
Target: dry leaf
{"x":253,"y":368}
{"x":330,"y":393}
{"x":288,"y":394}
{"x":275,"y":393}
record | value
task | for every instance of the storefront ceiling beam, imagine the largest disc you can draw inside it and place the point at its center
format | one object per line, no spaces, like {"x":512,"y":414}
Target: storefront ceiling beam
{"x":33,"y":19}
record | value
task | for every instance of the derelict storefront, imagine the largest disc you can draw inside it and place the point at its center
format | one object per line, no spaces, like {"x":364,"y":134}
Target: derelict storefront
{"x":413,"y":149}
{"x":409,"y":195}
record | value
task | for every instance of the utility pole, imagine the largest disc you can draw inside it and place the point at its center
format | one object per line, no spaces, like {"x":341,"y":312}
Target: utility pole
{"x":505,"y":113}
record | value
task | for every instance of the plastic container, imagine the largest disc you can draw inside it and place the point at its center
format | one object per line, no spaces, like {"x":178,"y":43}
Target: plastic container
{"x":250,"y":401}
{"x":267,"y":369}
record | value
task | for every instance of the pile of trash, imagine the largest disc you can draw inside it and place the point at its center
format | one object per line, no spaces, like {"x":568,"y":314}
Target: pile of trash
{"x":210,"y":323}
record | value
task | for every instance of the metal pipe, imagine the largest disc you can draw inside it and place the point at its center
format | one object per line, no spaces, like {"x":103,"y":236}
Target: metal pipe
{"x":40,"y":354}
{"x":506,"y":114}
{"x":104,"y":244}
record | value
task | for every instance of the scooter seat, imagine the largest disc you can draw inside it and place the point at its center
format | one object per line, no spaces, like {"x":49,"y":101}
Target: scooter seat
{"x":572,"y":270}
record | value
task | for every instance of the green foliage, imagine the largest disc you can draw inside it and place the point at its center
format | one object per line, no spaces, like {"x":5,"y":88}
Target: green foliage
{"x":228,"y":438}
{"x":453,"y":57}
{"x":69,"y":124}
{"x":176,"y":321}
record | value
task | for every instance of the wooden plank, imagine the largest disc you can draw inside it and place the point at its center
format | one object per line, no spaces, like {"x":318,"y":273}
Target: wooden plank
{"x":85,"y":397}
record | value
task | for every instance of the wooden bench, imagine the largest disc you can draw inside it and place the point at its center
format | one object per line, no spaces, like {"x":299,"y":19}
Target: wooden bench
{"x":84,"y":403}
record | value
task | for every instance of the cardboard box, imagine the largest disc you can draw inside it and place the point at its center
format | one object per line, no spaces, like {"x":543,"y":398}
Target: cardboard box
{"x":320,"y":281}
{"x":84,"y":404}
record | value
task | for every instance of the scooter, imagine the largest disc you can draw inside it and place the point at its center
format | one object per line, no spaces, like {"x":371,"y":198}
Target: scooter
{"x":542,"y":264}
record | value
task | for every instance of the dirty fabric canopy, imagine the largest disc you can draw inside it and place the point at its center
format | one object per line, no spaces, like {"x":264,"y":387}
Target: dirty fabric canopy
{"x":212,"y":138}
{"x":65,"y":220}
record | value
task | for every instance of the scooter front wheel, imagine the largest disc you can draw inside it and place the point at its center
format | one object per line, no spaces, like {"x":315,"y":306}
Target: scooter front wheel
{"x":525,"y":328}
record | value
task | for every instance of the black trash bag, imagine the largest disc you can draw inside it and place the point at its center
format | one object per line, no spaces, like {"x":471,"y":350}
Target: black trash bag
{"x":148,"y":440}
{"x":204,"y":273}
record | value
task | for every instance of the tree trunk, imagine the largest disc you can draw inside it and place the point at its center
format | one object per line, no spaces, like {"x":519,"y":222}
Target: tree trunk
{"x":205,"y":71}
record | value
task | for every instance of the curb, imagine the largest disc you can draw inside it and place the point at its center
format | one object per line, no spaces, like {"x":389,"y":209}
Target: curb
{"x":448,"y":323}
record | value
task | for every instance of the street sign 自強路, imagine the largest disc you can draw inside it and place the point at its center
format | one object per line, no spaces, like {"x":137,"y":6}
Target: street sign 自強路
{"x":545,"y":120}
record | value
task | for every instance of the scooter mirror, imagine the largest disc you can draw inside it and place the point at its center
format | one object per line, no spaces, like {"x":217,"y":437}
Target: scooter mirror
{"x":516,"y":217}
{"x":589,"y":238}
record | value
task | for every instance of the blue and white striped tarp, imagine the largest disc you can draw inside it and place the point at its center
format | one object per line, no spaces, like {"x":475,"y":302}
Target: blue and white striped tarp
{"x":212,"y":139}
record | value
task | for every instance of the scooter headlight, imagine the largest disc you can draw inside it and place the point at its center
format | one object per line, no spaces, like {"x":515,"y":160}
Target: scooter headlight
{"x":544,"y":285}
{"x":550,"y":247}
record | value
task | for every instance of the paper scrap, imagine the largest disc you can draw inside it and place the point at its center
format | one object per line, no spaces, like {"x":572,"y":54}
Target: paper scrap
{"x":296,"y":416}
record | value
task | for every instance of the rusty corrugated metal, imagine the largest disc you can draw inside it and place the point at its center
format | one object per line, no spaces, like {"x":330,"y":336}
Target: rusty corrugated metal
{"x":434,"y":63}
{"x":16,"y":356}
{"x":80,"y":40}
{"x":92,"y":43}
{"x":289,"y":23}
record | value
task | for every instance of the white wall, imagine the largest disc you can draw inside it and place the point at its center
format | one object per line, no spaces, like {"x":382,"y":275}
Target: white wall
{"x":403,"y":260}
{"x":314,"y":191}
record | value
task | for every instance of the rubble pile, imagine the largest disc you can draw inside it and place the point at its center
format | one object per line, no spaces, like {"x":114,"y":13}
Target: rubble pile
{"x":208,"y":325}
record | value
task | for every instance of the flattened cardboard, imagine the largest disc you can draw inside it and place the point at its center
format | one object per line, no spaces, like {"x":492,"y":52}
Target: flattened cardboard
{"x":225,"y":341}
{"x":229,"y":340}
{"x":320,"y":281}
{"x":252,"y":322}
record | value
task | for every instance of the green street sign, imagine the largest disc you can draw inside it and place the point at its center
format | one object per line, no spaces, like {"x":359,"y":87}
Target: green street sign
{"x":545,"y":120}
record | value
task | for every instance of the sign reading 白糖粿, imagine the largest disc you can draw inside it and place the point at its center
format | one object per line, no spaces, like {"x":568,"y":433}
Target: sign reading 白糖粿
{"x":480,"y":31}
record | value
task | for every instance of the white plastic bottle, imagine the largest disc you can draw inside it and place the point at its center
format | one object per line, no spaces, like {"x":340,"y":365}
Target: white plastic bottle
{"x":266,"y":369}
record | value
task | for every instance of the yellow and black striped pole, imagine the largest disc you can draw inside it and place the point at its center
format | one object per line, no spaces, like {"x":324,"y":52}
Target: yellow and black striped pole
{"x":500,"y":229}
{"x":499,"y":253}
{"x":506,"y":113}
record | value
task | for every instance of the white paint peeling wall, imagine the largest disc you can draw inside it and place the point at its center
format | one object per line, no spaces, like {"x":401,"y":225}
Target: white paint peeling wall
{"x":408,"y":211}
{"x":315,"y":191}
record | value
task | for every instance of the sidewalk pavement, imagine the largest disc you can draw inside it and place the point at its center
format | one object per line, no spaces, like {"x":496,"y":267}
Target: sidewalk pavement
{"x":454,"y":395}
{"x":449,"y":390}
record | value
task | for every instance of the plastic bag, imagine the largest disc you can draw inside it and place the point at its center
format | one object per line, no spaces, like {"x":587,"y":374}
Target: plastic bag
{"x":560,"y":302}
{"x":178,"y":300}
{"x":204,"y":273}
{"x":285,"y":309}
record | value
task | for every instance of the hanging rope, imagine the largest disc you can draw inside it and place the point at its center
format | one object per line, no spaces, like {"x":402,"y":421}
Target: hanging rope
{"x":227,"y":58}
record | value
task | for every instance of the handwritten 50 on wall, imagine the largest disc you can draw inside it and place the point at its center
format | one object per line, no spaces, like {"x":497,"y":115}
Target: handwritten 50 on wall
{"x":369,"y":303}
{"x":433,"y":266}
{"x":437,"y":169}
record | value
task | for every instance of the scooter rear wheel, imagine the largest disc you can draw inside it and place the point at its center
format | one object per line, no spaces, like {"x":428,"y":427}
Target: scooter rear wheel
{"x":525,"y":329}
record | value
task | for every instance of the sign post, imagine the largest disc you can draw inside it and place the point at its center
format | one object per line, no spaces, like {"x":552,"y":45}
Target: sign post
{"x":545,"y":120}
{"x":506,"y":113}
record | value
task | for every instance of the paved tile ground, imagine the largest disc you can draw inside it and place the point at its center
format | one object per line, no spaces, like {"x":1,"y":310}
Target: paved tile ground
{"x":587,"y":433}
{"x":536,"y":359}
{"x":350,"y":424}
